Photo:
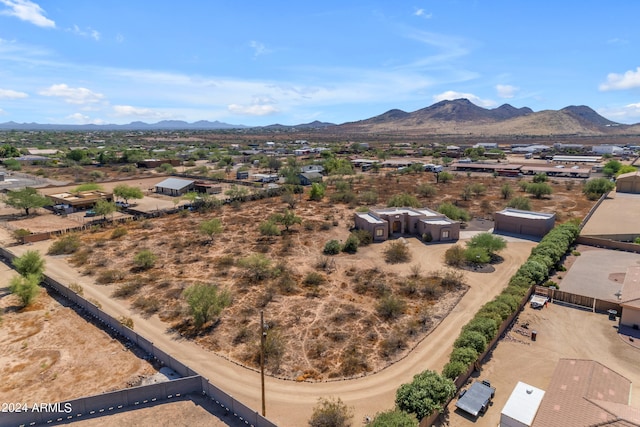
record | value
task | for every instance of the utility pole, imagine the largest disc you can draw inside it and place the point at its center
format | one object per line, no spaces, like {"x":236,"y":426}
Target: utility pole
{"x":263,"y":336}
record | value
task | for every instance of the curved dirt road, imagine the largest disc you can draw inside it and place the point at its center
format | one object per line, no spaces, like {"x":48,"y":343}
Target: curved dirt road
{"x":290,"y":403}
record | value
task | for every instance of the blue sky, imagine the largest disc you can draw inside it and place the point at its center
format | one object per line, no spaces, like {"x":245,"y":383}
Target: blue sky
{"x":258,"y":63}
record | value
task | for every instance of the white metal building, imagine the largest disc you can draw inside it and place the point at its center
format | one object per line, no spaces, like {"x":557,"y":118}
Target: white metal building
{"x":522,"y":406}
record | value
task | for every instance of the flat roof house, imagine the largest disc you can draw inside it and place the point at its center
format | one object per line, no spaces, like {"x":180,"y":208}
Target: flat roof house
{"x":384,"y":223}
{"x":630,"y":298}
{"x":81,"y":200}
{"x":174,"y":186}
{"x":308,"y":178}
{"x":522,"y":406}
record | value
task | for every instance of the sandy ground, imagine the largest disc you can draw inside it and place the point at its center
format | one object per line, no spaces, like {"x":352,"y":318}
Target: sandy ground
{"x":49,"y":353}
{"x":290,"y":403}
{"x":562,"y":332}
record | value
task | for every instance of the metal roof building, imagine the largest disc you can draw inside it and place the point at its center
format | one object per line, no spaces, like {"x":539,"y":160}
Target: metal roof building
{"x":522,"y":406}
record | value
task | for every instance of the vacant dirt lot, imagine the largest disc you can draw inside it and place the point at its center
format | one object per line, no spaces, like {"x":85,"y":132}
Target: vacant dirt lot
{"x":49,"y":353}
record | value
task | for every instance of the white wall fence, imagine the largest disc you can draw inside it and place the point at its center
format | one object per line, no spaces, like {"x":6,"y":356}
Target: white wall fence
{"x":105,"y":403}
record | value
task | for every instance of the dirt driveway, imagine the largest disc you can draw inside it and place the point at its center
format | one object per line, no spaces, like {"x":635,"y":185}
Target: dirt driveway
{"x":290,"y":403}
{"x":562,"y":332}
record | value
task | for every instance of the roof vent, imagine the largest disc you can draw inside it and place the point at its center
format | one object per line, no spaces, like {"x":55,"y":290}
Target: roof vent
{"x":529,"y":390}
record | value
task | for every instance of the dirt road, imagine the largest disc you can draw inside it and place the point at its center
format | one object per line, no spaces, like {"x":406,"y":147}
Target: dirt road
{"x":290,"y":403}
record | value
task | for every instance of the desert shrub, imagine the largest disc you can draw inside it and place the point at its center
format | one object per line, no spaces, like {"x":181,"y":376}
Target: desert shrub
{"x":148,"y":305}
{"x":391,"y":307}
{"x":145,"y":259}
{"x":594,"y":188}
{"x":520,"y":203}
{"x":313,"y":279}
{"x":127,"y":289}
{"x":65,"y":245}
{"x":256,"y":267}
{"x":427,"y":237}
{"x":397,"y":252}
{"x":540,"y":177}
{"x":453,"y":212}
{"x":25,"y":287}
{"x":20,"y":234}
{"x":454,"y":256}
{"x":78,"y":289}
{"x":269,"y":228}
{"x":332,"y":247}
{"x":403,"y":200}
{"x":477,"y":255}
{"x":364,"y":237}
{"x":427,"y":190}
{"x":369,"y":197}
{"x":539,"y":190}
{"x":451,"y":278}
{"x":109,"y":276}
{"x":394,"y":343}
{"x":118,"y":232}
{"x":444,"y":177}
{"x":331,"y":413}
{"x":126,"y":321}
{"x":351,"y":244}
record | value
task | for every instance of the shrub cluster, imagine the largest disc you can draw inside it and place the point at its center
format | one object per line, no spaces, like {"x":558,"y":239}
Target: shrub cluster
{"x":476,"y":334}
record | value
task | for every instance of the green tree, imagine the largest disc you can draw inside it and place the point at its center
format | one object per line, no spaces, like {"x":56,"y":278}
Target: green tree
{"x":145,"y":259}
{"x":539,"y":190}
{"x":540,"y":177}
{"x":12,"y":165}
{"x":394,"y":418}
{"x":287,"y":219}
{"x":403,"y":200}
{"x":594,"y":188}
{"x":27,"y":198}
{"x":77,"y":155}
{"x":25,"y":287}
{"x":205,"y":302}
{"x":506,"y":190}
{"x":316,"y":192}
{"x":428,"y":392}
{"x":7,"y":150}
{"x":127,"y":192}
{"x":488,"y":241}
{"x":210,"y":228}
{"x":89,"y":186}
{"x":331,"y":413}
{"x":453,"y":212}
{"x":611,"y":168}
{"x":520,"y":202}
{"x":626,"y":169}
{"x":104,"y":208}
{"x":30,"y":263}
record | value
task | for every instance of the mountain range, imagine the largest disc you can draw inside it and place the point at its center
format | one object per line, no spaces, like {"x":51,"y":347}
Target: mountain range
{"x":457,"y":117}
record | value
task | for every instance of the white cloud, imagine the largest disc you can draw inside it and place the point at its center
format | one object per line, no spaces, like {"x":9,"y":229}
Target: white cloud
{"x":77,"y":95}
{"x":451,"y":95}
{"x":139,"y":112}
{"x":2,"y":112}
{"x":422,"y":13}
{"x":629,"y":113}
{"x":628,"y":80}
{"x":12,"y":94}
{"x":258,"y":48}
{"x":84,"y":120}
{"x":261,"y":106}
{"x":119,"y":38}
{"x":89,"y":32}
{"x":506,"y":91}
{"x":27,"y":11}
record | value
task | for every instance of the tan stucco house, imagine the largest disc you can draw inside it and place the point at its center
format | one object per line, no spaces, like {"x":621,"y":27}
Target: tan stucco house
{"x":384,"y":223}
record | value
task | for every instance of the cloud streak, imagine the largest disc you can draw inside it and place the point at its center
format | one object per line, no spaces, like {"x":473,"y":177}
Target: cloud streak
{"x":71,"y":95}
{"x":28,"y":11}
{"x":12,"y":94}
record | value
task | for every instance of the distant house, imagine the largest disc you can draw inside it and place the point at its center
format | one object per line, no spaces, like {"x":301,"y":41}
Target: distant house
{"x":174,"y":186}
{"x":309,"y":178}
{"x":312,"y":168}
{"x":242,"y":175}
{"x":514,"y":221}
{"x":613,"y":150}
{"x":81,"y":200}
{"x":389,"y":222}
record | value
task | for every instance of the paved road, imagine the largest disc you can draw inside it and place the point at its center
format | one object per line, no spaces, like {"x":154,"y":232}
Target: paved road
{"x":290,"y":404}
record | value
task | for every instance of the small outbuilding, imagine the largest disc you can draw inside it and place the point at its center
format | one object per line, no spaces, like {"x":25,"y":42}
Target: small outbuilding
{"x":514,"y":221}
{"x":308,"y":178}
{"x":522,"y":406}
{"x":628,"y":183}
{"x":174,"y":186}
{"x":630,"y":298}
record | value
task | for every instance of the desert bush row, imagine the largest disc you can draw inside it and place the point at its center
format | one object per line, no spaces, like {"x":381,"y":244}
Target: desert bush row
{"x":482,"y":329}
